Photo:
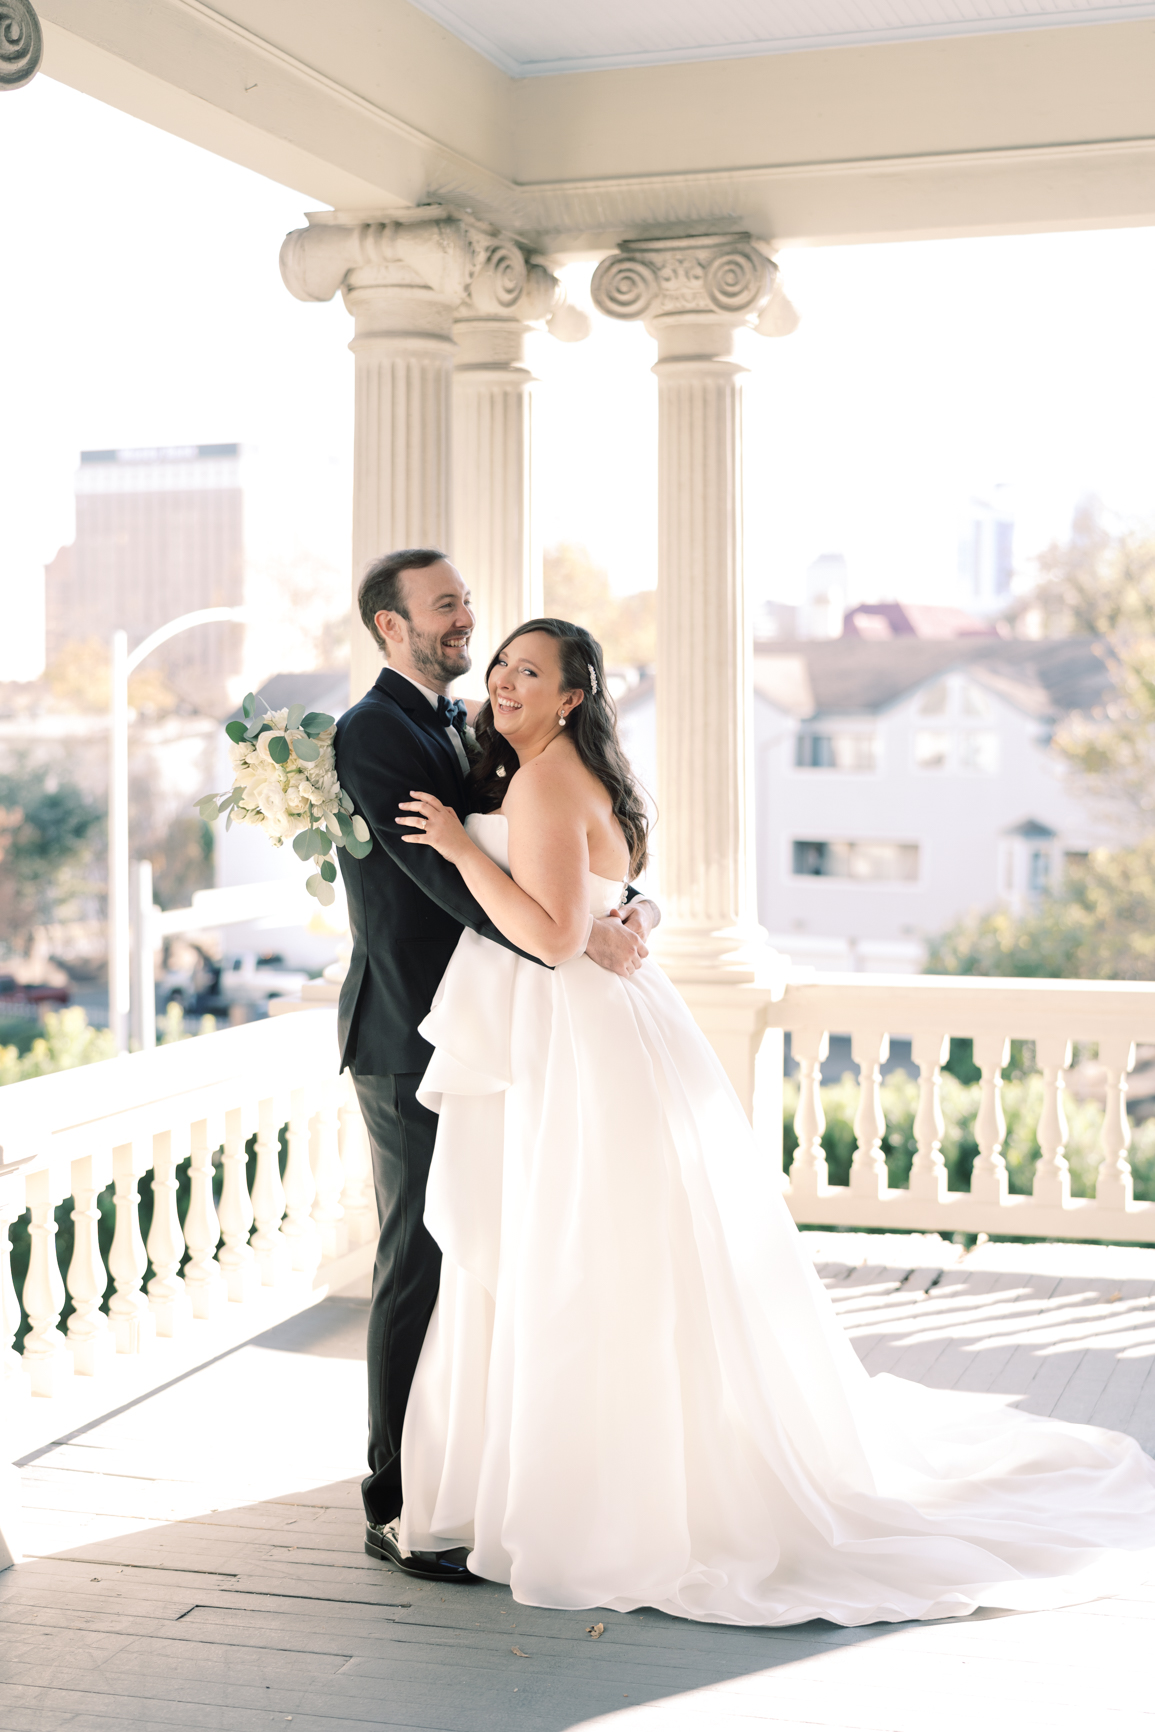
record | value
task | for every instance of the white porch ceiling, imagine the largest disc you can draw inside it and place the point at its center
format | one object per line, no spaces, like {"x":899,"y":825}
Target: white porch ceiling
{"x":532,"y":38}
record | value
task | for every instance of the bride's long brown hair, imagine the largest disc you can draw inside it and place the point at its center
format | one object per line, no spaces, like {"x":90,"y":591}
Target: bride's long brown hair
{"x":592,"y":725}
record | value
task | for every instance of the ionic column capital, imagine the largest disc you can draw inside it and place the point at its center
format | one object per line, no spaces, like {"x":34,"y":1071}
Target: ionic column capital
{"x":724,"y":281}
{"x":445,"y":260}
{"x":434,"y":253}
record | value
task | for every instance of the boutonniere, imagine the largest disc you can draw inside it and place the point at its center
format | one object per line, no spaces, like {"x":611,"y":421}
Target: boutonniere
{"x":472,"y":749}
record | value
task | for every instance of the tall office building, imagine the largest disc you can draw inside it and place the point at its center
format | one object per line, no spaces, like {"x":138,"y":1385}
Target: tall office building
{"x":159,"y":532}
{"x":986,"y":552}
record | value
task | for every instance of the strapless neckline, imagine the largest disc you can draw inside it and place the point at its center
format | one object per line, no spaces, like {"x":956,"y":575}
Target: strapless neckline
{"x":612,"y":890}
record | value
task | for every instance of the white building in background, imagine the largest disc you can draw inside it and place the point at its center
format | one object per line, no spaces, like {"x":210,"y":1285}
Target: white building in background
{"x":901,"y":784}
{"x":986,"y":551}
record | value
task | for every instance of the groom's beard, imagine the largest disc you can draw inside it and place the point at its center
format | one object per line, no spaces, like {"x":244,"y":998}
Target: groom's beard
{"x":430,"y":657}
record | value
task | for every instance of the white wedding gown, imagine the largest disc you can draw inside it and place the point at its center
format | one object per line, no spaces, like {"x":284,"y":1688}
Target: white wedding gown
{"x":634,"y":1390}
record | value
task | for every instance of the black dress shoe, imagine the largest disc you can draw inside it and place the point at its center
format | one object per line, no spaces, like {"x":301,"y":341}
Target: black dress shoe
{"x":381,"y":1541}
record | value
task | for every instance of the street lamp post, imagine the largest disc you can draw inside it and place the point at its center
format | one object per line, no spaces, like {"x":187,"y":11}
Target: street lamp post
{"x":119,"y":952}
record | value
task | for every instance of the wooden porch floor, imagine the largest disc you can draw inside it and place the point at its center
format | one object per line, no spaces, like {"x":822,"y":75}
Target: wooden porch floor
{"x":196,"y":1561}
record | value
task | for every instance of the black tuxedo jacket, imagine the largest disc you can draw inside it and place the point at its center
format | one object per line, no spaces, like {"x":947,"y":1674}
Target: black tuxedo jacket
{"x":407,"y":905}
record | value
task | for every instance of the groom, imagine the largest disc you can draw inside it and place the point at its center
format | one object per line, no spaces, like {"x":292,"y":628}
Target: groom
{"x":407,"y":907}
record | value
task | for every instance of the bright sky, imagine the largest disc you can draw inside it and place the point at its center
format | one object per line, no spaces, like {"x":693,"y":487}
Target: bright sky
{"x":142,"y":305}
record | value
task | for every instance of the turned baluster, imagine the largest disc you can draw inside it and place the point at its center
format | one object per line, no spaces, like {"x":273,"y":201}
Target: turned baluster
{"x":326,"y":1162}
{"x":238,"y":1264}
{"x":270,"y":1249}
{"x":868,"y":1175}
{"x":202,"y":1277}
{"x":357,"y":1198}
{"x":133,"y":1326}
{"x":89,"y":1336}
{"x":928,"y":1174}
{"x":1052,"y":1182}
{"x":1114,"y":1187}
{"x":14,"y":1383}
{"x":989,"y":1177}
{"x":168,"y":1298}
{"x":46,"y":1356}
{"x":808,"y":1170}
{"x":299,"y":1230}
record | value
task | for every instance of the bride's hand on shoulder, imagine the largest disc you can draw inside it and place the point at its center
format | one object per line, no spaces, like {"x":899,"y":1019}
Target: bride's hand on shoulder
{"x":435,"y":825}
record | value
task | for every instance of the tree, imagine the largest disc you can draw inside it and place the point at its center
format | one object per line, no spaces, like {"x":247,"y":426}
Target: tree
{"x":1102,"y":584}
{"x":1100,"y":926}
{"x":578,"y":590}
{"x":53,"y":836}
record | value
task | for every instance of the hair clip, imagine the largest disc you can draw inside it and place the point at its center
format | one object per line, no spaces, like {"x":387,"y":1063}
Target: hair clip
{"x":500,"y":771}
{"x":593,"y":680}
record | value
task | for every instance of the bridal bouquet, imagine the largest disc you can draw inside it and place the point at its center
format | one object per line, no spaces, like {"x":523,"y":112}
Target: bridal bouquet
{"x":286,"y":784}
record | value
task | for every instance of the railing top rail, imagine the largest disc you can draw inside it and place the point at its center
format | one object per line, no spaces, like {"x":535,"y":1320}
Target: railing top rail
{"x":966,"y":1005}
{"x":122,"y":1098}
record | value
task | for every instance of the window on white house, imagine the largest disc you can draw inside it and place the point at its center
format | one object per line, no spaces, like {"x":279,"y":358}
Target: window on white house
{"x":934,"y":700}
{"x":864,"y":862}
{"x":978,"y":749}
{"x":836,"y":752}
{"x":1040,"y":875}
{"x":931,"y":749}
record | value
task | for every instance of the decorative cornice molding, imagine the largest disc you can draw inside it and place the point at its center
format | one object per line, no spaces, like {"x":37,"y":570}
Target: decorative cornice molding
{"x":590,"y":215}
{"x":21,"y":44}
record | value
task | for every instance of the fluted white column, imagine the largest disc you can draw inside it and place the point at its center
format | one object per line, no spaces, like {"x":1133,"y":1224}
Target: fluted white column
{"x":403,"y":279}
{"x":493,"y":543}
{"x":693,"y":295}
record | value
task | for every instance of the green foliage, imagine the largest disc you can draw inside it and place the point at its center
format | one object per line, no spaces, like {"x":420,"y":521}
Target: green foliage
{"x":1101,"y":926}
{"x":1022,"y":1107}
{"x":50,"y":828}
{"x":67,"y":1041}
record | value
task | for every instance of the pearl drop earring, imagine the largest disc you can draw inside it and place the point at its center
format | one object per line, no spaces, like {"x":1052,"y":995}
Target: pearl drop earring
{"x":561,"y":719}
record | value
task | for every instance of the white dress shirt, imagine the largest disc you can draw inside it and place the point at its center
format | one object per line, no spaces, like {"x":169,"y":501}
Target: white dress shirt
{"x":455,"y":739}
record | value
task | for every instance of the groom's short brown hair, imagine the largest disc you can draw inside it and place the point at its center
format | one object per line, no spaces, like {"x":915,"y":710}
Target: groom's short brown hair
{"x":381,"y":588}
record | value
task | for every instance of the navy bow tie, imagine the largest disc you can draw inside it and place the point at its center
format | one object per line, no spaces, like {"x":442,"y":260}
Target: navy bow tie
{"x":451,"y":714}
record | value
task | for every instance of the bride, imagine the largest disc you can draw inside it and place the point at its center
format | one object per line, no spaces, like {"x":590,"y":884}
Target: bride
{"x":634,"y":1390}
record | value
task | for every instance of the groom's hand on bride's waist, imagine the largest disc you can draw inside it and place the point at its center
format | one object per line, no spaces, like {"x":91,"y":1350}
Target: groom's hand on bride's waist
{"x":617,"y":942}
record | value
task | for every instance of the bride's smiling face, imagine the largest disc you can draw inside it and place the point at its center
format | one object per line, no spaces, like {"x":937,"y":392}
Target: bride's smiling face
{"x":526,"y":693}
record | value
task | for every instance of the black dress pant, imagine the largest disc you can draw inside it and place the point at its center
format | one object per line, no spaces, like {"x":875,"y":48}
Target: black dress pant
{"x":405,"y":1275}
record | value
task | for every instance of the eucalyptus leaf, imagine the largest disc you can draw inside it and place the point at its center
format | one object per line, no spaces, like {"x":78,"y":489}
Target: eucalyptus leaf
{"x":328,"y":871}
{"x":308,"y":751}
{"x":350,"y":840}
{"x":303,"y":844}
{"x":236,"y":730}
{"x":316,"y":722}
{"x":249,"y":706}
{"x":279,"y":749}
{"x":313,"y":883}
{"x":296,"y":711}
{"x":208,"y":808}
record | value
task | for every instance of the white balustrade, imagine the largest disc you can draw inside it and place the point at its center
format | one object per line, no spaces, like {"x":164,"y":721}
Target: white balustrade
{"x":928,"y":1010}
{"x":870,"y":1050}
{"x":168,"y":1297}
{"x":89,"y":1336}
{"x":76,"y":1133}
{"x":928,"y":1176}
{"x":269,"y":1248}
{"x":133,"y":1326}
{"x":299,"y":1228}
